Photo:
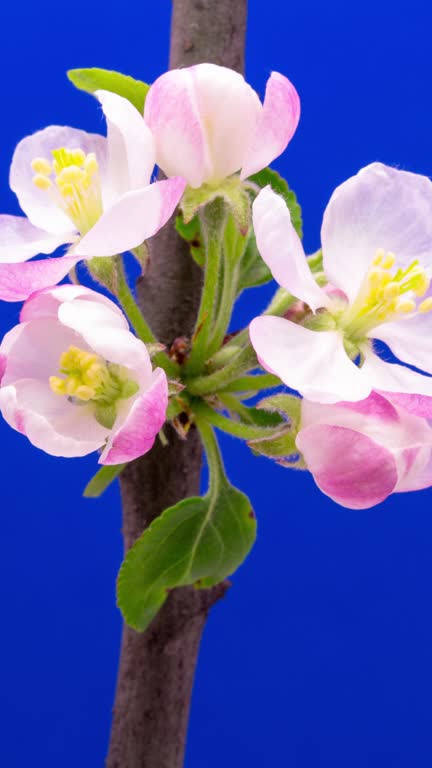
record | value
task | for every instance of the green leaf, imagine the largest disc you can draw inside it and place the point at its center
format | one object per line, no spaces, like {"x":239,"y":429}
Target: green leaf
{"x":94,"y":79}
{"x":270,"y":177}
{"x":198,"y":541}
{"x":191,"y":232}
{"x":254,"y":271}
{"x":102,"y":479}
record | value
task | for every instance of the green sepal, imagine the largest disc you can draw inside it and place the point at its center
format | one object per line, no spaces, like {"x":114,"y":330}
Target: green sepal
{"x":105,"y":415}
{"x":281,"y":445}
{"x":198,"y":541}
{"x":95,"y":79}
{"x":191,"y":232}
{"x":288,"y":406}
{"x":101,"y":480}
{"x":103,"y":270}
{"x":231,"y":190}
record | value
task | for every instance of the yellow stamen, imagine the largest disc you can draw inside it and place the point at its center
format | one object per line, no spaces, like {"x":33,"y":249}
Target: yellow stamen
{"x":405,"y":306}
{"x":379,"y":255}
{"x":40,"y":165}
{"x":426,"y":305}
{"x":42,"y":182}
{"x":388,"y":260}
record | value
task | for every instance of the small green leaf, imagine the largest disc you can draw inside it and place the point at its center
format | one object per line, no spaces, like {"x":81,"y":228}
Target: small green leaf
{"x":191,"y":232}
{"x":94,"y":79}
{"x":198,"y":541}
{"x":270,"y":177}
{"x":102,"y":479}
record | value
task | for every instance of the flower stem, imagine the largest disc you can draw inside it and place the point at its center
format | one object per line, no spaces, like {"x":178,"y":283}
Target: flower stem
{"x":212,"y":221}
{"x":217,"y":476}
{"x":244,"y":361}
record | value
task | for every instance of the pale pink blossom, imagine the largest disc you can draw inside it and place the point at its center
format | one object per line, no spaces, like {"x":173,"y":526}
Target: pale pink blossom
{"x":377,"y":252}
{"x":359,"y":453}
{"x":85,"y":191}
{"x":208,"y":123}
{"x":74,"y":379}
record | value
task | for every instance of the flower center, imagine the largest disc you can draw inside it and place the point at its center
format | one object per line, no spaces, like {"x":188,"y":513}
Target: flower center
{"x":90,"y":379}
{"x":385,"y":294}
{"x":72,"y":180}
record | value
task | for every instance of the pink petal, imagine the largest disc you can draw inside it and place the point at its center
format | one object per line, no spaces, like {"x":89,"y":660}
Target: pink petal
{"x":171,"y":112}
{"x":346,"y":465}
{"x":281,"y":249}
{"x":145,"y":419}
{"x":314,"y":363}
{"x":134,"y":218}
{"x":380,"y":207}
{"x":417,"y":472}
{"x":131,"y":146}
{"x":419,"y":405}
{"x":20,"y":240}
{"x":275,"y":127}
{"x":40,"y":207}
{"x":19,"y":281}
{"x":46,"y":303}
{"x":3,"y":364}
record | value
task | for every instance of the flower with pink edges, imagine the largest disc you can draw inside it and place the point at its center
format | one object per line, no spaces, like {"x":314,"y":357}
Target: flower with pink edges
{"x":377,"y":255}
{"x":208,"y":123}
{"x":85,"y":191}
{"x":361,"y":452}
{"x":74,"y":379}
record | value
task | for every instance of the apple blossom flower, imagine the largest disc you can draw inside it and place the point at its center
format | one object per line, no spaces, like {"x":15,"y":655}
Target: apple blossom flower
{"x":208,"y":123}
{"x":81,"y":189}
{"x":359,"y":453}
{"x":74,"y":379}
{"x":377,"y":255}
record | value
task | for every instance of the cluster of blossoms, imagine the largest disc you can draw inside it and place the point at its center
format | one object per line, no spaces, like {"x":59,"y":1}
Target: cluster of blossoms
{"x":75,"y":379}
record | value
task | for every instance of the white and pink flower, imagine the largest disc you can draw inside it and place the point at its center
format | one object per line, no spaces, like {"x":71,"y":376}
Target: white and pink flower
{"x":85,"y":191}
{"x":377,"y":254}
{"x":208,"y":123}
{"x":74,"y":379}
{"x":359,"y":453}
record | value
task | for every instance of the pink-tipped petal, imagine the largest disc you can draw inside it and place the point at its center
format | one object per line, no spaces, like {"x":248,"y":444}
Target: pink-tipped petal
{"x":20,"y":240}
{"x":419,"y":405}
{"x":348,"y":466}
{"x":275,"y":127}
{"x":3,"y":364}
{"x":134,"y":218}
{"x":146,"y":417}
{"x":281,"y":249}
{"x":171,"y":112}
{"x":131,"y":146}
{"x":380,"y":207}
{"x":41,"y":207}
{"x":46,"y":303}
{"x":19,"y":281}
{"x":315,"y":364}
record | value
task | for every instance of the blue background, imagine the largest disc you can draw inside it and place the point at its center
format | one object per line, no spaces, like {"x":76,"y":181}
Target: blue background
{"x":321,"y":653}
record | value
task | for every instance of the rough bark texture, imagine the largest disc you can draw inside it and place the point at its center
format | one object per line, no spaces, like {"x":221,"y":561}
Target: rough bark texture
{"x":157,"y":668}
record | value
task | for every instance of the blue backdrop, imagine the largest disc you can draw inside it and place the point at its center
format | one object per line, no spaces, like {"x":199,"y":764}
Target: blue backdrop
{"x":320,"y":655}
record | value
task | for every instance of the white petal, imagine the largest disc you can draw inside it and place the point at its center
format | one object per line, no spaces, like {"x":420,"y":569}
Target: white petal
{"x":390,"y":377}
{"x":381,"y":207}
{"x":281,"y":249}
{"x":20,"y":240}
{"x":314,"y":363}
{"x":131,"y":146}
{"x":410,"y":339}
{"x":46,"y":303}
{"x":134,"y":218}
{"x":39,"y":206}
{"x":229,"y":109}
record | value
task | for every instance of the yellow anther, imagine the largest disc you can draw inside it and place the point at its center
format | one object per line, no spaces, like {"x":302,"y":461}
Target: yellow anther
{"x":405,"y":306}
{"x":83,"y":392}
{"x":57,"y":385}
{"x":378,"y":278}
{"x":40,"y":165}
{"x":380,"y":254}
{"x":67,"y":190}
{"x":391,"y":291}
{"x":422,"y":284}
{"x":42,"y":182}
{"x":426,"y":305}
{"x":388,"y":260}
{"x":77,"y":156}
{"x":72,"y":174}
{"x":91,"y":164}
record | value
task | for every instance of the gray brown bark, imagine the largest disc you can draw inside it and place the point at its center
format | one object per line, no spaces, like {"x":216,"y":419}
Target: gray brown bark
{"x":157,"y":668}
